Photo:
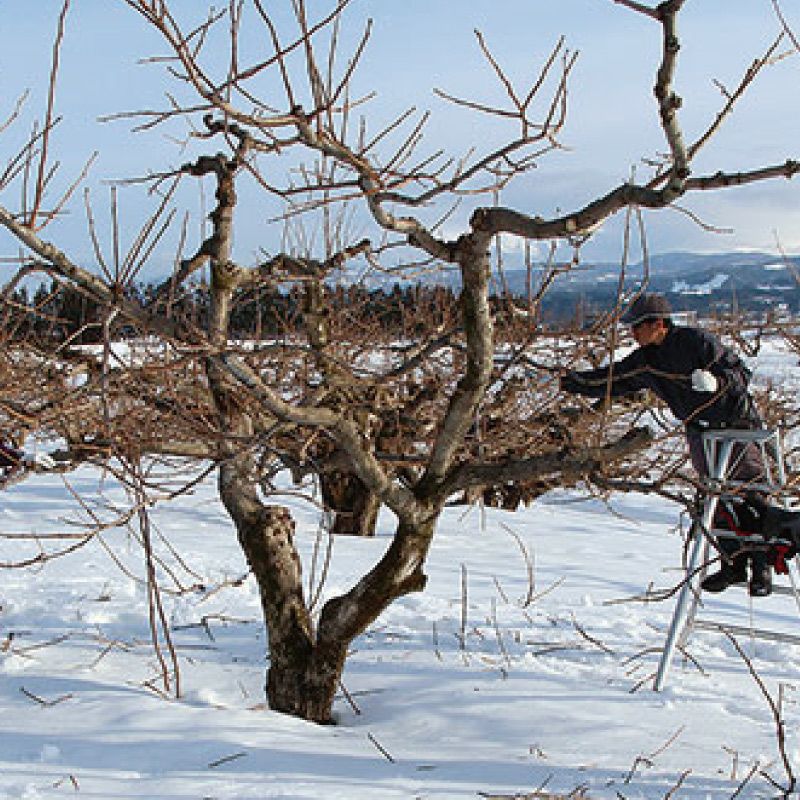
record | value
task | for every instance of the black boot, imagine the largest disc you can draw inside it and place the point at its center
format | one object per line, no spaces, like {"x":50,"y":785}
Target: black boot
{"x":733,"y":568}
{"x":760,"y":576}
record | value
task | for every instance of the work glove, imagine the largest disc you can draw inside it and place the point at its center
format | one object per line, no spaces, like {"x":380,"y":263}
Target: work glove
{"x":704,"y":381}
{"x":39,"y":461}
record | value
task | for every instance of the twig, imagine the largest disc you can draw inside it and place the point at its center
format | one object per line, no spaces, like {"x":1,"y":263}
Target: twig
{"x":780,"y":728}
{"x":349,"y":698}
{"x":381,"y":749}
{"x":528,"y":564}
{"x":57,"y":640}
{"x":498,"y":633}
{"x":689,"y":657}
{"x":236,"y":582}
{"x":554,"y":585}
{"x":150,"y":684}
{"x":638,"y":685}
{"x":225,"y":759}
{"x":683,"y":776}
{"x":43,"y":702}
{"x":132,"y":476}
{"x":463,"y":633}
{"x":435,"y":635}
{"x":41,"y":177}
{"x":503,"y":595}
{"x":746,"y":780}
{"x":639,"y":760}
{"x":649,"y":761}
{"x":668,"y":743}
{"x":589,"y":638}
{"x":315,"y":592}
{"x":640,"y":7}
{"x":71,"y":778}
{"x":785,"y":25}
{"x":734,"y":754}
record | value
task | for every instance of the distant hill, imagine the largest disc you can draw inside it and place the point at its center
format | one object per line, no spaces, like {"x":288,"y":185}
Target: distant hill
{"x":752,"y":281}
{"x":755,"y":282}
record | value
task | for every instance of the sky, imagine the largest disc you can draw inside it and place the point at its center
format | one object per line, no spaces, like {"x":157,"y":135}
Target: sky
{"x":417,"y":46}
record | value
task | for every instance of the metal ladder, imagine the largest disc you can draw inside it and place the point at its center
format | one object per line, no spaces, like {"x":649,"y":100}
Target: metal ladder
{"x":719,"y":447}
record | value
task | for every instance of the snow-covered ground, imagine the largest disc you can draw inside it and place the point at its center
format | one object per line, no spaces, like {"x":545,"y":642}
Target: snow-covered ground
{"x":550,"y":687}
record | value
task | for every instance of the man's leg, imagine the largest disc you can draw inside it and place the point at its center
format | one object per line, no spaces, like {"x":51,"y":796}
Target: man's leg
{"x":760,"y":575}
{"x":733,"y":561}
{"x":748,"y":466}
{"x":732,"y":569}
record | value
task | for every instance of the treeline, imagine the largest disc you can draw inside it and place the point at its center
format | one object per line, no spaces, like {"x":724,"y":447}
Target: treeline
{"x":53,"y":313}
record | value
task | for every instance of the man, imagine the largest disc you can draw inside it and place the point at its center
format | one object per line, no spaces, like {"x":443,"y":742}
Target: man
{"x":704,"y":384}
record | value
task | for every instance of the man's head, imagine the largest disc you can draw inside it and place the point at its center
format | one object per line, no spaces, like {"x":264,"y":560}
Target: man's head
{"x":649,"y":318}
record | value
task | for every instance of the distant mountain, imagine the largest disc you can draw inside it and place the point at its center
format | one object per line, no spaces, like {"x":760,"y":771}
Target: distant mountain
{"x":755,"y":282}
{"x":751,"y":281}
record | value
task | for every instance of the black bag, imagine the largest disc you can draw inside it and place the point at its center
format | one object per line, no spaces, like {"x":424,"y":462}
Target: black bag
{"x":742,"y":515}
{"x":781,"y":523}
{"x":778,"y":527}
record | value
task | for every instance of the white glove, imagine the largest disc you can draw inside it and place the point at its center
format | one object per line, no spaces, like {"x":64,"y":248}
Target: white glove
{"x":40,"y":461}
{"x":704,"y":381}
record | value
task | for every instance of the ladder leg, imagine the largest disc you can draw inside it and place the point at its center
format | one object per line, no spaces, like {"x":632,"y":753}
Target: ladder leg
{"x":688,"y":594}
{"x":694,"y":599}
{"x":690,"y":588}
{"x":795,"y":591}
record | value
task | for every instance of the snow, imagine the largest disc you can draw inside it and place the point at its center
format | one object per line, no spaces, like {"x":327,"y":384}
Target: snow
{"x":712,"y":285}
{"x":483,"y":683}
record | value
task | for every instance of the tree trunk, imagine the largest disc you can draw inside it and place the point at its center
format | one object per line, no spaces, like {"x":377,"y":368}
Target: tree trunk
{"x":302,"y":678}
{"x":305,"y":667}
{"x":399,"y":572}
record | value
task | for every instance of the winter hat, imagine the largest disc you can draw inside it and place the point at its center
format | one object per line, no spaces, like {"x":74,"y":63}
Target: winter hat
{"x":645,"y":307}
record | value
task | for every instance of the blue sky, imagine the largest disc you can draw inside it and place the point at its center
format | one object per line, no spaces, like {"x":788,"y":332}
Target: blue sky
{"x":421,"y":44}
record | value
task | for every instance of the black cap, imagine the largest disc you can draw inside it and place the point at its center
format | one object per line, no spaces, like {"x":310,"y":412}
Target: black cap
{"x":645,"y":307}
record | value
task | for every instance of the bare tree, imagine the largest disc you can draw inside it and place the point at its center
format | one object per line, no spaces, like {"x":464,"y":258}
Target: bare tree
{"x":412,"y":424}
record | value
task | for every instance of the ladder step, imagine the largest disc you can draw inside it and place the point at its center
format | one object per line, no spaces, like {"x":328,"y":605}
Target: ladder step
{"x":776,"y":589}
{"x":741,"y":630}
{"x":787,"y":590}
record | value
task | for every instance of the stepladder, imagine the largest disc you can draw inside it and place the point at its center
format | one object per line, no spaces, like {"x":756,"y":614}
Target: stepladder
{"x":722,"y":449}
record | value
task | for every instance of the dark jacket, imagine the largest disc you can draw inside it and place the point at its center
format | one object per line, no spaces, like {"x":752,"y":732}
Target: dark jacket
{"x":9,"y":456}
{"x":665,"y":369}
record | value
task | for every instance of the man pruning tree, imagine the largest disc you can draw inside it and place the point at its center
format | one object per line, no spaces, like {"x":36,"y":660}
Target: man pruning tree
{"x":704,"y":384}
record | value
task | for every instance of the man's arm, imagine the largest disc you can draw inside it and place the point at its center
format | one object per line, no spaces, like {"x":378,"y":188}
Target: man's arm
{"x":9,"y":456}
{"x":725,"y":365}
{"x":621,"y":378}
